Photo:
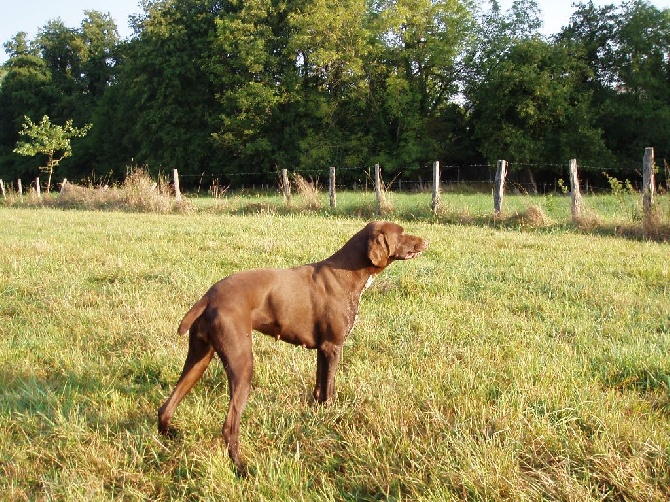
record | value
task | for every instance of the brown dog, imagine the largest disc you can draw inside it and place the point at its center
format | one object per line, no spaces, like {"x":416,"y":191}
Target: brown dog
{"x":313,"y":305}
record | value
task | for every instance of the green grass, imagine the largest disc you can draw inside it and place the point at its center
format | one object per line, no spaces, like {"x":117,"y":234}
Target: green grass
{"x":607,"y":214}
{"x":501,"y":365}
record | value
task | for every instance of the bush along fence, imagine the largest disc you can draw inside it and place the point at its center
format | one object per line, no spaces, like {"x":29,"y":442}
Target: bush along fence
{"x":499,"y":184}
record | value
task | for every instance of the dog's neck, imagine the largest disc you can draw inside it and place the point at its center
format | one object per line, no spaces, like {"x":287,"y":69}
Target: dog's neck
{"x":352,"y":262}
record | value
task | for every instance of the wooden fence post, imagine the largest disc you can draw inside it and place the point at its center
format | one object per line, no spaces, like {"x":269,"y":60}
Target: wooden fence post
{"x":37,"y":188}
{"x":286,"y":185}
{"x":378,"y":188}
{"x":62,"y":185}
{"x":648,"y":181}
{"x":575,"y":194}
{"x":499,"y":188}
{"x":436,"y":186}
{"x":20,"y":186}
{"x":331,"y":188}
{"x":177,"y":191}
{"x":2,"y":189}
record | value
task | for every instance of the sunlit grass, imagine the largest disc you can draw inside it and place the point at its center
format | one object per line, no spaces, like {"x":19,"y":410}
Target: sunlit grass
{"x":501,"y":365}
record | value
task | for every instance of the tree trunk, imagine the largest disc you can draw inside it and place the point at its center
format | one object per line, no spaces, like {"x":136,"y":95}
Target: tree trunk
{"x":50,"y":170}
{"x":531,"y":180}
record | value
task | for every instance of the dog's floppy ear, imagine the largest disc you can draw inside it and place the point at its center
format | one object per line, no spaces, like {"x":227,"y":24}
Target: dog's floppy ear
{"x":381,"y":246}
{"x":378,"y":251}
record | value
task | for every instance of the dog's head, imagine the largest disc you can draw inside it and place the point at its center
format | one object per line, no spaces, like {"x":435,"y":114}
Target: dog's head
{"x":387,"y":242}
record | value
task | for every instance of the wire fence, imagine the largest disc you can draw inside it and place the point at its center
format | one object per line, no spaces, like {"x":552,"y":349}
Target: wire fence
{"x":523,"y":178}
{"x":539,"y":178}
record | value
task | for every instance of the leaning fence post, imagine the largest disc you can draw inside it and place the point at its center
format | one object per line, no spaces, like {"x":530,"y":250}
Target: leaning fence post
{"x":378,"y":188}
{"x":177,"y":191}
{"x":286,"y":186}
{"x":648,"y":191}
{"x":331,"y":188}
{"x":499,"y":188}
{"x":575,"y":194}
{"x":436,"y":186}
{"x":648,"y":180}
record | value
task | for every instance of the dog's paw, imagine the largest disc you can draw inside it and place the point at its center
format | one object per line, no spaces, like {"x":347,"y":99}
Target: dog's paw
{"x":168,"y":432}
{"x":242,"y":470}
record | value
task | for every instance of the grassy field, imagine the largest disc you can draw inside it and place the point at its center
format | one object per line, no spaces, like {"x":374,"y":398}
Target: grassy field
{"x":619,"y":213}
{"x":504,"y":364}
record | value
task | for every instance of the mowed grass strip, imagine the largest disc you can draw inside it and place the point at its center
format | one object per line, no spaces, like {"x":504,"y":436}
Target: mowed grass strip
{"x":502,"y":364}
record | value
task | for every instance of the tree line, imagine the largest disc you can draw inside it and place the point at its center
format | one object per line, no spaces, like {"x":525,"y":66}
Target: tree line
{"x":225,"y":87}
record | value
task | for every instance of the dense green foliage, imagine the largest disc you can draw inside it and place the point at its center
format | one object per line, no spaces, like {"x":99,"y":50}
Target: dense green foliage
{"x":228,"y":88}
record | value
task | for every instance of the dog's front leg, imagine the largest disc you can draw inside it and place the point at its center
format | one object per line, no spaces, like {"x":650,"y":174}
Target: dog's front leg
{"x":327,"y":359}
{"x":319,"y":389}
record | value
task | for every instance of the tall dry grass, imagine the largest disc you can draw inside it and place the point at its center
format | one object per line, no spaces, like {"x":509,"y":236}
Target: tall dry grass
{"x":138,"y":192}
{"x":308,"y":191}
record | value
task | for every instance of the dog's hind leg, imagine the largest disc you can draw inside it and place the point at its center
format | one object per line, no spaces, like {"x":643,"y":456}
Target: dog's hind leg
{"x":236,"y":353}
{"x":200,"y":353}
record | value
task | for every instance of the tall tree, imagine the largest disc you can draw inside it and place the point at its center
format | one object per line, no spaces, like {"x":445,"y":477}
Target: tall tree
{"x":19,"y":46}
{"x":526,"y":96}
{"x":27,"y":88}
{"x":627,"y":47}
{"x":640,"y":111}
{"x":161,"y":108}
{"x":531,"y":108}
{"x":257,"y":76}
{"x":97,"y":41}
{"x":61,"y":51}
{"x":346,"y":83}
{"x":495,"y":33}
{"x":415,"y":74}
{"x":331,"y":47}
{"x":63,"y":74}
{"x":97,"y":45}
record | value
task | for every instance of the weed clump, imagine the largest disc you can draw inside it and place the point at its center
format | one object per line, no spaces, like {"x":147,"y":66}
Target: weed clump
{"x":587,"y":220}
{"x":656,"y":225}
{"x":533,"y":216}
{"x":308,"y":192}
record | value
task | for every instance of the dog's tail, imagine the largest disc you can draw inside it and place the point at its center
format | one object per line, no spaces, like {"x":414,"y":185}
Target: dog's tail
{"x":192,"y":315}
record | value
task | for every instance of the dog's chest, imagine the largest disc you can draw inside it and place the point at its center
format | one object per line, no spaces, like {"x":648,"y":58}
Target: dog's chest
{"x":353,"y":310}
{"x":368,"y":283}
